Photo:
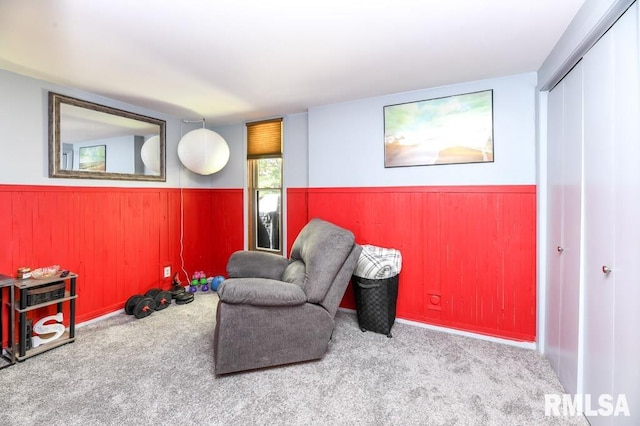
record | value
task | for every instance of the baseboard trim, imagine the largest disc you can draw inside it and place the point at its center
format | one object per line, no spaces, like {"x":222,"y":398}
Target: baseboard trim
{"x":525,"y":345}
{"x":100,"y":318}
{"x":519,"y":344}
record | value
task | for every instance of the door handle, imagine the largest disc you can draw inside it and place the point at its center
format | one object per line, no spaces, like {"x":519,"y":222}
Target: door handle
{"x":560,"y":249}
{"x":606,"y":270}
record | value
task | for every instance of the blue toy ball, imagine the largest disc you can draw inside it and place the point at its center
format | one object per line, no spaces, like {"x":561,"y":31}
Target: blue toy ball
{"x":216,"y":281}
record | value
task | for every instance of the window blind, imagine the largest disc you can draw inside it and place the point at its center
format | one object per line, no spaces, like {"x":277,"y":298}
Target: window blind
{"x":264,"y":139}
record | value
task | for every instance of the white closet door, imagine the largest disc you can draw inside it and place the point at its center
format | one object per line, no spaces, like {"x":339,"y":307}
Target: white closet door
{"x":555,"y":152}
{"x":608,"y":263}
{"x":564,"y":209}
{"x":599,"y":215}
{"x":626,"y":270}
{"x":571,"y":230}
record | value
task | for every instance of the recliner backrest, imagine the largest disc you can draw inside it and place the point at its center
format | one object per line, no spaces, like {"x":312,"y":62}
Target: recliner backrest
{"x":317,"y":256}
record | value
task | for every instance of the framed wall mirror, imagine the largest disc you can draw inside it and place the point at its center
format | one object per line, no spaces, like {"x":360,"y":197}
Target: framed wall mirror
{"x":92,"y":141}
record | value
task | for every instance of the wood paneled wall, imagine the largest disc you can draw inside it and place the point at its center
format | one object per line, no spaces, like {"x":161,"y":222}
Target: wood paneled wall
{"x":469,"y":253}
{"x":469,"y":258}
{"x":118,"y":239}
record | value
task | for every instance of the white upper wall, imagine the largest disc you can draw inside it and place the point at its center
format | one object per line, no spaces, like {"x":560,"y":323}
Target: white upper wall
{"x":338,"y":145}
{"x":346,"y":140}
{"x":25,"y":142}
{"x":296,"y":151}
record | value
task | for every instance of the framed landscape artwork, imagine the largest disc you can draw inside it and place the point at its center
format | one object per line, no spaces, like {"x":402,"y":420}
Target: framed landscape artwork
{"x":451,"y":130}
{"x":93,"y":158}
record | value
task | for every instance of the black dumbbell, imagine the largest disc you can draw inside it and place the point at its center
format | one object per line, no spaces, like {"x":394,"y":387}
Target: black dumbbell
{"x":143,"y":306}
{"x":139,"y":306}
{"x":161,"y":298}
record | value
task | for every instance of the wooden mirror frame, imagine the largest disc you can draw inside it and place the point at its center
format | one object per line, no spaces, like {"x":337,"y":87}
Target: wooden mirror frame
{"x":55,"y":143}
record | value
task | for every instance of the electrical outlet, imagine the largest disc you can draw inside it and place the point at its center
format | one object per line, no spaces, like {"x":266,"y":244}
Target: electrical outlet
{"x":167,"y":271}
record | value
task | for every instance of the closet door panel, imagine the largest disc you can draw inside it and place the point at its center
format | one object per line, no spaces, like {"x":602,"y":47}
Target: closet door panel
{"x":626,"y":270}
{"x":598,"y":214}
{"x":564,"y":209}
{"x":571,"y":230}
{"x":553,"y":302}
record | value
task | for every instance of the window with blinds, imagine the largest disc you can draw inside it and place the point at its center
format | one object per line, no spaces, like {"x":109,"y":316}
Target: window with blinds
{"x":264,"y":139}
{"x":264,"y":163}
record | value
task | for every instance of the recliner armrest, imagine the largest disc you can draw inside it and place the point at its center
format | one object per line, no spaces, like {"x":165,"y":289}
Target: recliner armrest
{"x":261,"y":292}
{"x":256,"y":264}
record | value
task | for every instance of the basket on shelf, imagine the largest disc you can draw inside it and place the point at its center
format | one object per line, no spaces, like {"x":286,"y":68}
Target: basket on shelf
{"x":46,"y":272}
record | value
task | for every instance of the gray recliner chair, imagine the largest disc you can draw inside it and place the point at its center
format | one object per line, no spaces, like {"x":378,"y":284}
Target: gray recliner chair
{"x":273,"y":310}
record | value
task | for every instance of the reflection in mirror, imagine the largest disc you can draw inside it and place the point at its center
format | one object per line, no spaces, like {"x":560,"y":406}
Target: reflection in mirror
{"x":88,"y":140}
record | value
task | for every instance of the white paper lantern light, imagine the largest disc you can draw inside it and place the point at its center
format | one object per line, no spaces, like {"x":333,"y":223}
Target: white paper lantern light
{"x":203,"y":151}
{"x":150,"y":153}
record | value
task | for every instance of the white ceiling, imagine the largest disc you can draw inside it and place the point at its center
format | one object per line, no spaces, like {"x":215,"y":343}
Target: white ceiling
{"x":236,"y":60}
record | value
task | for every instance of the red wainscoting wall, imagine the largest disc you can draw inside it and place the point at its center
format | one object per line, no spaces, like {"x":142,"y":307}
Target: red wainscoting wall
{"x":118,"y":239}
{"x":469,"y":253}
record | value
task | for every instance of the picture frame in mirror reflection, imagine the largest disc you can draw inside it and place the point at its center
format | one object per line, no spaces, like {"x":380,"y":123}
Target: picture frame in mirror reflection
{"x":93,"y":158}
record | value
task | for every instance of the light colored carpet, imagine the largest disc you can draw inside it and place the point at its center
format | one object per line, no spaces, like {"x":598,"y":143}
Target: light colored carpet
{"x":159,"y":370}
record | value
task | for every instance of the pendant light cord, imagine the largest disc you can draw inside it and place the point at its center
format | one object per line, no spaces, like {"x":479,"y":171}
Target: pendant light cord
{"x":182,"y":202}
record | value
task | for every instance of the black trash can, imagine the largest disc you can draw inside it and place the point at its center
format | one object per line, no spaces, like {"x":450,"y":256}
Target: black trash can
{"x":376,"y":303}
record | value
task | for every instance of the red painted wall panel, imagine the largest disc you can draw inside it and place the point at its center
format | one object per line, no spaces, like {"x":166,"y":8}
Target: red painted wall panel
{"x":118,"y":239}
{"x":297,"y":210}
{"x":468,"y":252}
